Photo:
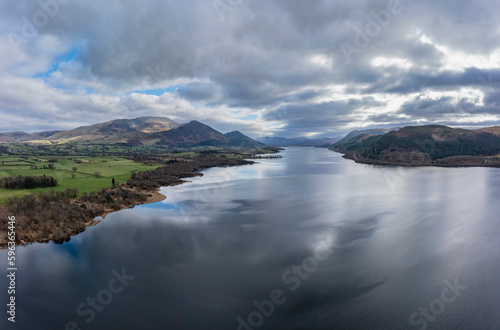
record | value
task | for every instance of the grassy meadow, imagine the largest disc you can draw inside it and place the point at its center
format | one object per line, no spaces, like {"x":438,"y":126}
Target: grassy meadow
{"x":85,"y":179}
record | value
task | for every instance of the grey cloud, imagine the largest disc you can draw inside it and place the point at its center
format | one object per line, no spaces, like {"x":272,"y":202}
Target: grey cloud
{"x":197,"y":91}
{"x":260,"y":57}
{"x":315,"y":117}
{"x":440,"y":109}
{"x":492,"y":99}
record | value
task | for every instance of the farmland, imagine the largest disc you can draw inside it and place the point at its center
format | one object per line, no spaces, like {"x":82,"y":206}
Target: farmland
{"x":92,"y":173}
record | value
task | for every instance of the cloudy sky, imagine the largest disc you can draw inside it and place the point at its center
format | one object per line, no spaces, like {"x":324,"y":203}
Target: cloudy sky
{"x":265,"y":67}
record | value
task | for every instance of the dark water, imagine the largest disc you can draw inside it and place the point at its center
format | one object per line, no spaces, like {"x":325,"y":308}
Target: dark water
{"x":374,"y":244}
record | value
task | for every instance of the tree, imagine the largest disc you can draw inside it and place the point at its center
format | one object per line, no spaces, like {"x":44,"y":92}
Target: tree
{"x":74,"y":168}
{"x":73,"y":175}
{"x":97,"y":174}
{"x":27,"y":182}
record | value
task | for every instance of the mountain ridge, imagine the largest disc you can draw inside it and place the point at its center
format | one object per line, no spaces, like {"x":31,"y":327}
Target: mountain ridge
{"x":370,"y":132}
{"x":139,"y":131}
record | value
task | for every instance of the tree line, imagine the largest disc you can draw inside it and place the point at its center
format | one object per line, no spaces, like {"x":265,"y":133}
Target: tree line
{"x":27,"y":182}
{"x":173,"y":172}
{"x":479,"y":144}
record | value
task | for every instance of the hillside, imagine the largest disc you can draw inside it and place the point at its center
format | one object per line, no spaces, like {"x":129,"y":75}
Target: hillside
{"x":106,"y":130}
{"x":15,"y":136}
{"x":493,"y":130}
{"x":143,"y":131}
{"x":424,"y":145}
{"x":239,"y":139}
{"x":196,"y":134}
{"x":191,"y":134}
{"x":115,"y":128}
{"x":363,"y":133}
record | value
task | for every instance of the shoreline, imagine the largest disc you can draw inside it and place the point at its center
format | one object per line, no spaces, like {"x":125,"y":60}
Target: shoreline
{"x":361,"y":160}
{"x":152,"y":196}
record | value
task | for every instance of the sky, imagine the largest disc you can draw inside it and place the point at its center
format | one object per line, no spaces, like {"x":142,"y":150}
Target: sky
{"x":315,"y":68}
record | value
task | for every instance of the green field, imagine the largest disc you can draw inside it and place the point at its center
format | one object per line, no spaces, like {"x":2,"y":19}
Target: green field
{"x":85,"y":179}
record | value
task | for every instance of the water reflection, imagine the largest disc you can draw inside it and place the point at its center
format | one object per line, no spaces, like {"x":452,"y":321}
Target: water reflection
{"x":215,"y":245}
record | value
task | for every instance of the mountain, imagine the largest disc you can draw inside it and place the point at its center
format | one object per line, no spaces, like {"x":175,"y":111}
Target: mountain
{"x":191,"y":134}
{"x":23,"y":136}
{"x":239,"y":139}
{"x":138,"y":132}
{"x":424,"y":145}
{"x":196,"y":134}
{"x":115,"y":128}
{"x":15,"y":136}
{"x":363,"y":133}
{"x":105,"y":130}
{"x":42,"y":135}
{"x":5,"y":138}
{"x":299,"y":141}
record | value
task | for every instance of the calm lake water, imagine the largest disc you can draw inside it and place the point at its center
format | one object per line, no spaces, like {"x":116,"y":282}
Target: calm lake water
{"x":310,"y":241}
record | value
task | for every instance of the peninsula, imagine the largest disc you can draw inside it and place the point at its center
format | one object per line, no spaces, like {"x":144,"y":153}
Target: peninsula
{"x":431,"y":145}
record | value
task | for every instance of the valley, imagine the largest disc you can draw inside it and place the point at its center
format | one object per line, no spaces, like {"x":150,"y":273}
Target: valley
{"x":106,"y":167}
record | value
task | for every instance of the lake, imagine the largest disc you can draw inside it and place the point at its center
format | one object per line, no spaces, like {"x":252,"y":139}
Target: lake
{"x":309,"y":241}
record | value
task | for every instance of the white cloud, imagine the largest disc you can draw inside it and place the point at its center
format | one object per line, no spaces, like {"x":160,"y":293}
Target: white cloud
{"x":277,"y":59}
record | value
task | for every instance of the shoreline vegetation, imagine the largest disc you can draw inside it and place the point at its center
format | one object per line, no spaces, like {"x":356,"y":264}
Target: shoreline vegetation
{"x":429,"y":145}
{"x":58,"y":215}
{"x":418,"y":159}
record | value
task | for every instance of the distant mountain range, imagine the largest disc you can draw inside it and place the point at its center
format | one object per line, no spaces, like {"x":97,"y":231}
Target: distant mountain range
{"x":137,"y":132}
{"x":23,"y":136}
{"x":425,"y":145}
{"x":298,"y":141}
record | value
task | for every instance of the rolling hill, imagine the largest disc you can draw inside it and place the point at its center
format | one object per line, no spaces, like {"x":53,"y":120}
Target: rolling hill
{"x":493,"y":130}
{"x":425,"y":145}
{"x":23,"y":136}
